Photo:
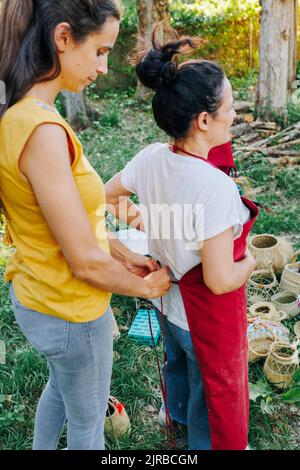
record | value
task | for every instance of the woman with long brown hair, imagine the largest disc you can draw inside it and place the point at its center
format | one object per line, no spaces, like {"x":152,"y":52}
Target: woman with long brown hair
{"x":64,"y":267}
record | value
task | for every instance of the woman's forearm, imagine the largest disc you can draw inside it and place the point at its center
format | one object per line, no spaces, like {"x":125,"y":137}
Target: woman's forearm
{"x":235,"y":278}
{"x":143,"y":279}
{"x":119,"y":251}
{"x":106,"y":273}
{"x":241,"y":273}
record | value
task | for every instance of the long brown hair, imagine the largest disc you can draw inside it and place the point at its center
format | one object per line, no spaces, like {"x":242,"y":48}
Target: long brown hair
{"x":27,"y":50}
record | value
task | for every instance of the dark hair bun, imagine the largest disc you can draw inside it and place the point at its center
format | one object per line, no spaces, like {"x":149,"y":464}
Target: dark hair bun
{"x":167,"y":74}
{"x":182,"y":93}
{"x":155,"y":68}
{"x":158,"y":65}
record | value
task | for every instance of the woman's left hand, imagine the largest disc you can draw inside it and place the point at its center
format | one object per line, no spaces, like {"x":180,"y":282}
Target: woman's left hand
{"x":141,"y":265}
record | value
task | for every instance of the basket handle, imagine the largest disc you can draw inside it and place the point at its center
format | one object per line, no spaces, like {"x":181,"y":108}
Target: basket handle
{"x":115,"y":404}
{"x":270,"y":263}
{"x":283,"y":315}
{"x":295,"y":256}
{"x":296,"y":342}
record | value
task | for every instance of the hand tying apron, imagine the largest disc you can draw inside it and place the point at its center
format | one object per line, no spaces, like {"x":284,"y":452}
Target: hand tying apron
{"x":218,"y":327}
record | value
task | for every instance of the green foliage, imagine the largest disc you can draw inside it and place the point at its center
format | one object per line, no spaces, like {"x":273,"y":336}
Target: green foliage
{"x":261,"y":389}
{"x":110,"y":119}
{"x":210,"y":13}
{"x":244,"y":88}
{"x":293,"y":394}
{"x":129,"y":19}
{"x":282,"y":196}
{"x":186,"y":14}
{"x":59,"y":103}
{"x":288,"y":180}
{"x":10,"y":416}
{"x":294,"y":102}
{"x":225,"y":25}
{"x":230,"y":30}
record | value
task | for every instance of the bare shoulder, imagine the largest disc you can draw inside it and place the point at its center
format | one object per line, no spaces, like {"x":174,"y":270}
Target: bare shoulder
{"x":47,"y":135}
{"x":47,"y":145}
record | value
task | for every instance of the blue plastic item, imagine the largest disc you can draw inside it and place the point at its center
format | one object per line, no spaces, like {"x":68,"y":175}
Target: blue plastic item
{"x":140,"y":329}
{"x":241,"y":191}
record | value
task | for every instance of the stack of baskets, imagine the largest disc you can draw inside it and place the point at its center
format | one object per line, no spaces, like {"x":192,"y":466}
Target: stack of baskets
{"x":261,"y":334}
{"x":270,"y":302}
{"x":274,"y":258}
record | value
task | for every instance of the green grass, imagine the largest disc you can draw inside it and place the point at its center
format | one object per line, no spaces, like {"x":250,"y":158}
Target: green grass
{"x":279,"y":191}
{"x":121,"y":128}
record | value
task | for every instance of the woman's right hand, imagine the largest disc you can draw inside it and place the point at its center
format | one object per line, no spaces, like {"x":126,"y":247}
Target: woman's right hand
{"x":158,"y":283}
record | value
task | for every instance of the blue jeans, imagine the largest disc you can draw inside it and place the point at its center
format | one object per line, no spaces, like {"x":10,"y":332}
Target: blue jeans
{"x":185,"y":393}
{"x":79,"y":357}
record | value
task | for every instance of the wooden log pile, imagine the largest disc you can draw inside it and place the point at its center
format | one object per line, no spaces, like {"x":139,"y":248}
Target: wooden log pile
{"x":249,"y":137}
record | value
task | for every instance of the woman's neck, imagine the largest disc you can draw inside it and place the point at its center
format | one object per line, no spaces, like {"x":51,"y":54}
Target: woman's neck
{"x":45,"y":91}
{"x":193,"y":146}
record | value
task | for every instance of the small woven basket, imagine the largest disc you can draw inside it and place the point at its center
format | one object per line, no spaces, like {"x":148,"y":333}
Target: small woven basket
{"x":281,"y":363}
{"x":287,"y":302}
{"x":265,"y":311}
{"x":290,"y":279}
{"x":281,"y":332}
{"x":117,"y":422}
{"x":268,"y":249}
{"x":260,"y":338}
{"x":261,"y":286}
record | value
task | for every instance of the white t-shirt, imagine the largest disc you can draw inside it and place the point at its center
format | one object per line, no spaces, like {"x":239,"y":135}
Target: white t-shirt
{"x":184,"y":201}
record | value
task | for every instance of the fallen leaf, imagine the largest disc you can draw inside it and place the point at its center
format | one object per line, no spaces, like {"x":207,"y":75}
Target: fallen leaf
{"x":117,"y":355}
{"x":150,"y":409}
{"x":249,"y":118}
{"x":117,"y":311}
{"x":123,"y":328}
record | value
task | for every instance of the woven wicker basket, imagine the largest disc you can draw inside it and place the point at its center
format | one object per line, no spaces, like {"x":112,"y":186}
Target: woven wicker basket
{"x":266,"y":311}
{"x":297,"y":330}
{"x":260,"y":338}
{"x":117,"y":422}
{"x":261,"y":286}
{"x":290,"y":279}
{"x":268,"y":249}
{"x":281,"y":363}
{"x":287,"y":302}
{"x":261,"y":334}
{"x":281,"y":332}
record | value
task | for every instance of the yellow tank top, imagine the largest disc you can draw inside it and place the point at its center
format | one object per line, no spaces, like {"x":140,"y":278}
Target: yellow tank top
{"x":41,"y":276}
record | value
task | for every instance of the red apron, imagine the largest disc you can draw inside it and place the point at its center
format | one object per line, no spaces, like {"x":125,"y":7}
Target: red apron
{"x":222,"y":157}
{"x":218,"y":326}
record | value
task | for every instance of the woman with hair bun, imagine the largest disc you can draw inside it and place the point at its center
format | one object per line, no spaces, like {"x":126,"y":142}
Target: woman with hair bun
{"x":203,"y":316}
{"x":64,"y":267}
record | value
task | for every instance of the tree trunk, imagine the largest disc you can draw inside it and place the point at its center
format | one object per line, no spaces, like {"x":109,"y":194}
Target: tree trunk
{"x":149,"y":13}
{"x":76,"y":110}
{"x":293,"y":48}
{"x":275,"y":30}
